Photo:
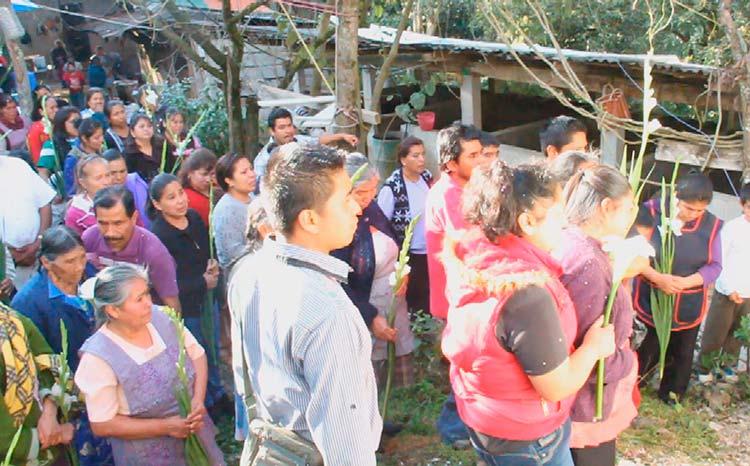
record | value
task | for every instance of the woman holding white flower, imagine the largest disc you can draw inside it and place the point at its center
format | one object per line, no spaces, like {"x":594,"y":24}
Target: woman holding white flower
{"x":128,"y":374}
{"x":372,"y":255}
{"x":600,"y":210}
{"x":697,"y":264}
{"x":511,"y":328}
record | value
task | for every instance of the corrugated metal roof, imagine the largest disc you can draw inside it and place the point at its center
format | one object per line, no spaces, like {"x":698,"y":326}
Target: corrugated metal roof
{"x":379,"y":36}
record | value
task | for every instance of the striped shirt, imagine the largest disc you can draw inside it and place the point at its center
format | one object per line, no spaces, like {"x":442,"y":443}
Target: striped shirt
{"x":307,"y":350}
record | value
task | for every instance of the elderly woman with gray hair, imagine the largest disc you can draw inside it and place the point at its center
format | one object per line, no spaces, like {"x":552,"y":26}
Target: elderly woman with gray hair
{"x":372,"y":256}
{"x":50,"y":299}
{"x":127,"y":374}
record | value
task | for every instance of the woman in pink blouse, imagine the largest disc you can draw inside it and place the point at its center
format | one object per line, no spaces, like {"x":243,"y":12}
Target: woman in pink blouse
{"x":92,"y":174}
{"x":599,"y":207}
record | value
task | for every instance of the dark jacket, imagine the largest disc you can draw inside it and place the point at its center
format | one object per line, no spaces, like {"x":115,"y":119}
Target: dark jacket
{"x":148,"y":167}
{"x":360,"y":255}
{"x":46,"y":306}
{"x":189,"y":248}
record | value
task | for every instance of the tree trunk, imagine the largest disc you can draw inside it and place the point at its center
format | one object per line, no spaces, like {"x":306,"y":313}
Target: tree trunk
{"x":385,"y":70}
{"x":741,"y":57}
{"x":347,"y":119}
{"x":252,"y":126}
{"x":325,"y":23}
{"x":19,"y":65}
{"x":233,"y":95}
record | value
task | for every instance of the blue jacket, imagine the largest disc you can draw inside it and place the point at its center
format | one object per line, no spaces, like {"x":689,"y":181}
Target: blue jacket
{"x":97,"y":76}
{"x":42,"y":302}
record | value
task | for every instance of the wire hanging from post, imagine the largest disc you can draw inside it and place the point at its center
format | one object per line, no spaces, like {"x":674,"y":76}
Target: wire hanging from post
{"x":307,"y":49}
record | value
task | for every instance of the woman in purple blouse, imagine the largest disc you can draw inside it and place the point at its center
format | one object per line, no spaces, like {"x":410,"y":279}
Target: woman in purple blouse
{"x":599,"y":207}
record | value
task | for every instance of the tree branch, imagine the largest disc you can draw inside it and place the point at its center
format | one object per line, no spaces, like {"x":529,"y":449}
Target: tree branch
{"x":301,"y":59}
{"x":736,"y":41}
{"x":239,"y":16}
{"x":204,"y":41}
{"x":385,"y":69}
{"x":190,"y":52}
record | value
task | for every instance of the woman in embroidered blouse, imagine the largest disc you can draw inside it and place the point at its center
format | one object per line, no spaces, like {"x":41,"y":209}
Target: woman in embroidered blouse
{"x":92,"y":174}
{"x":599,"y":207}
{"x":372,"y":255}
{"x":128,"y":373}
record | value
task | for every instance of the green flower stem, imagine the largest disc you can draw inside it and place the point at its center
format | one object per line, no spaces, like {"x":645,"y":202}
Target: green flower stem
{"x":403,"y":259}
{"x":195,"y":453}
{"x":598,"y":415}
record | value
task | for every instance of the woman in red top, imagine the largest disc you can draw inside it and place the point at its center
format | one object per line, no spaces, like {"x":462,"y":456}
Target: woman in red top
{"x":196,"y":176}
{"x":511,"y":326}
{"x":37,"y":134}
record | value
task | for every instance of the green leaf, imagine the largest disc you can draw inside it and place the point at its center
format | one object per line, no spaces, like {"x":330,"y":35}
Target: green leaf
{"x":404,"y":112}
{"x":358,"y":174}
{"x":418,"y":100}
{"x":429,"y":88}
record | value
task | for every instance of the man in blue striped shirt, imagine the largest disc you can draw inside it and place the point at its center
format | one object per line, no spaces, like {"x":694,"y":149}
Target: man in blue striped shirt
{"x":297,"y":339}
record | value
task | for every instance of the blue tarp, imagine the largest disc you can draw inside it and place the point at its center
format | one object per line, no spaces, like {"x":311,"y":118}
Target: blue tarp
{"x":22,"y":6}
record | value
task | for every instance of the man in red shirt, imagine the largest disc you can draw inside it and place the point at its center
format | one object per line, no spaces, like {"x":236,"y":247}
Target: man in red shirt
{"x":460,"y":151}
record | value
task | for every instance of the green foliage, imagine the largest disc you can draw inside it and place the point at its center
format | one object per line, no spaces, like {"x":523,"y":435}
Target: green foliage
{"x":617,"y":26}
{"x":214,"y":129}
{"x":668,"y":431}
{"x":717,"y":360}
{"x":417,"y":100}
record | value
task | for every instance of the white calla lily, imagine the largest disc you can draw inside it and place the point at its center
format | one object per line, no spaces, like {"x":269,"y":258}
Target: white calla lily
{"x":624,"y":251}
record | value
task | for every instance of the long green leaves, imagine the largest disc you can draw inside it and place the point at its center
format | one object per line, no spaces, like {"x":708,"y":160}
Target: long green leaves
{"x":662,"y":304}
{"x":400,"y":274}
{"x":63,"y":399}
{"x":195,"y":454}
{"x":12,"y":446}
{"x":184,"y":143}
{"x":598,"y":415}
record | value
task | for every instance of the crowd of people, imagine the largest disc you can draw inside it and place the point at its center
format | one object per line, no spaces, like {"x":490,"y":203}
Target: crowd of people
{"x":282,"y":266}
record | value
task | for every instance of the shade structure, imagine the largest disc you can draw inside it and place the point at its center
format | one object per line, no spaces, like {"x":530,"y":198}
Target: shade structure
{"x":23,"y":6}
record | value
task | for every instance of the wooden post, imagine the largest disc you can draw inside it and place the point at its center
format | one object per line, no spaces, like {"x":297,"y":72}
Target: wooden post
{"x":368,"y":81}
{"x":19,"y":65}
{"x":471,"y":100}
{"x":348,"y":109}
{"x":496,"y":86}
{"x":612,"y":146}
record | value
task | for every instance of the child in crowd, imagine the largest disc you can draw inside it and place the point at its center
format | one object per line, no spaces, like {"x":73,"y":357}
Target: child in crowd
{"x":74,"y":80}
{"x":730,"y":299}
{"x":697,"y":264}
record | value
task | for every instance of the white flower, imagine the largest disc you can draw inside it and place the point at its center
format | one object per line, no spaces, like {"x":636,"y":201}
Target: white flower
{"x":86,"y":290}
{"x":653,"y":125}
{"x":676,"y":225}
{"x":393,"y":279}
{"x":624,"y":251}
{"x":151,"y":97}
{"x":56,"y":390}
{"x":69,"y":400}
